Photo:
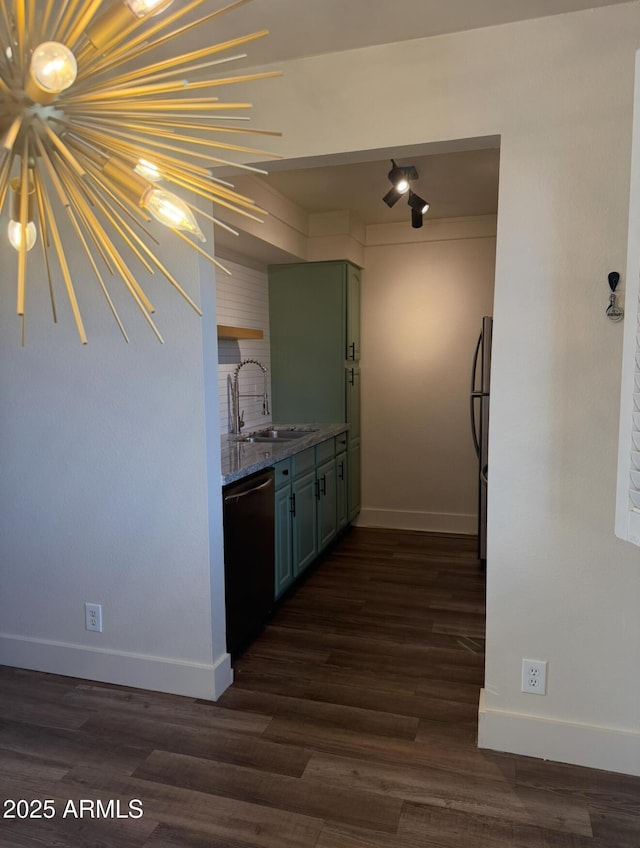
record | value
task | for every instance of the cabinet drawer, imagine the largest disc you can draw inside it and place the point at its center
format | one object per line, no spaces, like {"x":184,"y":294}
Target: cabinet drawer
{"x":341,"y":443}
{"x":282,"y":471}
{"x":303,"y":461}
{"x":325,"y":450}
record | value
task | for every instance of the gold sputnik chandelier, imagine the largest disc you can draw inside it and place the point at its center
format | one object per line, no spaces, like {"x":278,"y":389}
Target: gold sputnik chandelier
{"x":93,"y":130}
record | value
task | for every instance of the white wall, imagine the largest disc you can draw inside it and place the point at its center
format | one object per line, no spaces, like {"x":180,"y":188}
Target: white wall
{"x":422,"y":308}
{"x":558,"y":91}
{"x":104,"y":486}
{"x":243,"y":301}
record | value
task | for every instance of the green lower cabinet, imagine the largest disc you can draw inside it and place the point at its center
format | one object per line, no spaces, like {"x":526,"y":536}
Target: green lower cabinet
{"x":342,"y":515}
{"x":353,"y":480}
{"x":326,"y":503}
{"x":304,"y":521}
{"x":311,"y":506}
{"x":283,"y":552}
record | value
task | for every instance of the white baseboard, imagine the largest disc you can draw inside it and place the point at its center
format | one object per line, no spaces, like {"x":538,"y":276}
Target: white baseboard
{"x":222,"y":675}
{"x":159,"y":674}
{"x":588,"y":745}
{"x":433,"y":522}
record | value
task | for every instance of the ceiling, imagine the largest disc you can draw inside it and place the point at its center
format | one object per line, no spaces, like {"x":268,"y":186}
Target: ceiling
{"x":456,"y":184}
{"x":304,"y":28}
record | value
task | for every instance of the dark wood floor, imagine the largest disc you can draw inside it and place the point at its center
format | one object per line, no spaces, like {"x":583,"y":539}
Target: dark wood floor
{"x":351,"y":724}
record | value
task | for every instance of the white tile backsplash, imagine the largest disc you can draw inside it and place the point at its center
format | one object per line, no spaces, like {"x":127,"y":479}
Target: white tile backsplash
{"x":243,"y":301}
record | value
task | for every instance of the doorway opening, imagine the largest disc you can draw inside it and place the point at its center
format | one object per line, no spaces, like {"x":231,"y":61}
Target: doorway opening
{"x":424,"y":295}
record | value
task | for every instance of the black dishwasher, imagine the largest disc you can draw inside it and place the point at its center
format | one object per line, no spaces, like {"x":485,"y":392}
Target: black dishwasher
{"x":248,"y":557}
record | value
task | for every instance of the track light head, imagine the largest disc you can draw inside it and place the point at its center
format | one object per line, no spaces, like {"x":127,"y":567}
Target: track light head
{"x":399,"y":179}
{"x":392,"y":196}
{"x":417,"y":204}
{"x":416,"y":219}
{"x":401,"y":175}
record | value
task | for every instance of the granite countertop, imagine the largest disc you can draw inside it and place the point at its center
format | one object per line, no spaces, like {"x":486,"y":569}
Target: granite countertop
{"x":239,"y":459}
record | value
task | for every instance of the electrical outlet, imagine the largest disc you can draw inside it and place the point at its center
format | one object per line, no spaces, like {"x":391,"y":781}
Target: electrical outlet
{"x":534,"y":677}
{"x":93,"y":617}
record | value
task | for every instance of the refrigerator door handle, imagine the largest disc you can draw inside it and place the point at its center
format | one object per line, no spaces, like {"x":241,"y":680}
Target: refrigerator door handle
{"x":473,"y":396}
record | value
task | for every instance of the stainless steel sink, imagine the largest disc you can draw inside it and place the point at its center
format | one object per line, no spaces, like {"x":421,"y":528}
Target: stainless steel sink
{"x":280,"y":435}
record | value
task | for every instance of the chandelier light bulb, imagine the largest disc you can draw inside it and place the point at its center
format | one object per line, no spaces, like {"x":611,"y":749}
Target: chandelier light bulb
{"x":53,"y":67}
{"x":106,"y":29}
{"x":14,"y":231}
{"x":171,"y":211}
{"x":148,"y":170}
{"x":140,"y":8}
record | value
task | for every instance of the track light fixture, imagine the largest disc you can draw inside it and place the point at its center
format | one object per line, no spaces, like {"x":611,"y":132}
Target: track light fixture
{"x":400,"y":177}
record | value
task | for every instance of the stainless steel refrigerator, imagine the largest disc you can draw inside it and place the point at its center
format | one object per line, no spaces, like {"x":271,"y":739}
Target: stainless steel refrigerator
{"x":479,"y":405}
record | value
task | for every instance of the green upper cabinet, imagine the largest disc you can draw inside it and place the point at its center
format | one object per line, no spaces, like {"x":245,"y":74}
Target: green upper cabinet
{"x":314,"y":317}
{"x":353,"y":313}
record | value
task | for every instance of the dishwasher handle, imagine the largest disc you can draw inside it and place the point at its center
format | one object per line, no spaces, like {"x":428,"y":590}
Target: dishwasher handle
{"x":252,"y":491}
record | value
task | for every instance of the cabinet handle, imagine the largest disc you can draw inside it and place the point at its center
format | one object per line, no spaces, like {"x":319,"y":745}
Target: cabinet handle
{"x":352,"y":348}
{"x":292,"y":507}
{"x":285,"y":472}
{"x":352,"y":379}
{"x":324,"y":484}
{"x":341,"y":472}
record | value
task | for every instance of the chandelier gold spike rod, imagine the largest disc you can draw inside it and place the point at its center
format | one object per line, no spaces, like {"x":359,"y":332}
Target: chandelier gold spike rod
{"x":88,"y":129}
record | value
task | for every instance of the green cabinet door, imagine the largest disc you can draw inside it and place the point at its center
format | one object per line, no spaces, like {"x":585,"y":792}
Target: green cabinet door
{"x":283,"y":551}
{"x":304,"y":521}
{"x":353,"y":313}
{"x":353,"y":480}
{"x":307,"y":325}
{"x":342,"y":515}
{"x":352,"y":399}
{"x":326,"y":502}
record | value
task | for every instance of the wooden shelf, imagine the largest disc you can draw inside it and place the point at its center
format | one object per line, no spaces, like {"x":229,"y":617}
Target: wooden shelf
{"x":238,"y":333}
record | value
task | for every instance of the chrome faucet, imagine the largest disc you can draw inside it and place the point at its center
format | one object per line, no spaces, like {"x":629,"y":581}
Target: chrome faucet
{"x":237,"y":415}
